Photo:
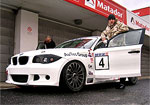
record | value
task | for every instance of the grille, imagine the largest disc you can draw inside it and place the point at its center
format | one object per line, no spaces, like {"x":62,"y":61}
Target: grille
{"x":20,"y":78}
{"x":23,"y":60}
{"x":14,"y":59}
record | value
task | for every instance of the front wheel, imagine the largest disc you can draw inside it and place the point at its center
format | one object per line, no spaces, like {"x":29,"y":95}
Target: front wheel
{"x":74,"y":76}
{"x":133,"y":80}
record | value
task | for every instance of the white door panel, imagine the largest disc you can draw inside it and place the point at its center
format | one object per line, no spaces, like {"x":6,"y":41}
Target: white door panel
{"x":120,"y":62}
{"x":124,"y":63}
{"x":121,"y":57}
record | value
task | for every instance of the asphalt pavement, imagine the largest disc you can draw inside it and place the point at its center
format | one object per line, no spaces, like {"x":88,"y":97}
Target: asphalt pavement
{"x":99,"y":94}
{"x":4,"y":85}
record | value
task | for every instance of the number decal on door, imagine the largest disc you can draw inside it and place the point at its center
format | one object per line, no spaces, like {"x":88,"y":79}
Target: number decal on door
{"x":102,"y":63}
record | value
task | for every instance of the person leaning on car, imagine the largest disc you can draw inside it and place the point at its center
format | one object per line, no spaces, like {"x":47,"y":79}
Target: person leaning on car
{"x":113,"y":28}
{"x":49,"y":42}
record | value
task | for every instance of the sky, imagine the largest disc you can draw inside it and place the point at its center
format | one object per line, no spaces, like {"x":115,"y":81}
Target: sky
{"x":133,"y":4}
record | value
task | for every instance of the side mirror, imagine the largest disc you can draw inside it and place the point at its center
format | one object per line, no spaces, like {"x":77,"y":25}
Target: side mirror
{"x":41,"y":45}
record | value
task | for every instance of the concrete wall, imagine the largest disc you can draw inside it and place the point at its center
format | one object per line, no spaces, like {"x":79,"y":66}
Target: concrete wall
{"x":7,"y":27}
{"x":59,"y":31}
{"x":145,"y":61}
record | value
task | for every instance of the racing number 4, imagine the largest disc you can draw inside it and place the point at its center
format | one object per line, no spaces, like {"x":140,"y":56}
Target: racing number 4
{"x":102,"y":63}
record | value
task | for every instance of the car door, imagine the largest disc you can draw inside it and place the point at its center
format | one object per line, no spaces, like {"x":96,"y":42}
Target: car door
{"x":122,"y":56}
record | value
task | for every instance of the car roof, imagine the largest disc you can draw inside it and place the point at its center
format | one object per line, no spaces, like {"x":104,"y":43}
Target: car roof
{"x":88,"y":37}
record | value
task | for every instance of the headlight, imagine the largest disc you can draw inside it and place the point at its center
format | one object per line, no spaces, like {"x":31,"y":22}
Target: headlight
{"x":47,"y":58}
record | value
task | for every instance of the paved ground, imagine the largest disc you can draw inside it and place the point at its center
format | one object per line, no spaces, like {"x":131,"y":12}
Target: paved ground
{"x":100,"y":94}
{"x":4,"y":85}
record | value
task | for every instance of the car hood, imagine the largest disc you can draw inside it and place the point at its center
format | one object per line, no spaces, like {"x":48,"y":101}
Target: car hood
{"x":62,"y":52}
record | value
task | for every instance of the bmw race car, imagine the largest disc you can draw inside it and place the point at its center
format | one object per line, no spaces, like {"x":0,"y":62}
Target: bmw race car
{"x":79,"y":62}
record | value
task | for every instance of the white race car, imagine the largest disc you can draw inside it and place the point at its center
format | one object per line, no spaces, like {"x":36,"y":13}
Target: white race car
{"x":80,"y":62}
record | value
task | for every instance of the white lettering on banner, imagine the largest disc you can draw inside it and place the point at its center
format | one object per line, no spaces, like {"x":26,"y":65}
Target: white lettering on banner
{"x":102,"y":7}
{"x":109,"y":9}
{"x":137,"y":13}
{"x":76,"y":0}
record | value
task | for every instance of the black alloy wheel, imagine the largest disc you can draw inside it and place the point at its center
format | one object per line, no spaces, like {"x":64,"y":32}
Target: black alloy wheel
{"x":74,"y":75}
{"x":133,"y":80}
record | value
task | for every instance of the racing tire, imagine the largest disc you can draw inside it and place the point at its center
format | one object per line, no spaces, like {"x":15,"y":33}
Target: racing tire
{"x":73,"y":76}
{"x":132,"y":80}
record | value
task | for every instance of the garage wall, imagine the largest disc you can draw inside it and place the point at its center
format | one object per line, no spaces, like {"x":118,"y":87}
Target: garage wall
{"x":59,"y":32}
{"x":7,"y":28}
{"x":145,"y":61}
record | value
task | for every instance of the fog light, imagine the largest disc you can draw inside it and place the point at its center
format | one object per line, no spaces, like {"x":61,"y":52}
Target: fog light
{"x":47,"y":77}
{"x":36,"y":77}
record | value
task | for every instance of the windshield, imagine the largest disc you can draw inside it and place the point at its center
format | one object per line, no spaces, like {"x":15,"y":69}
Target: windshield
{"x":78,"y":43}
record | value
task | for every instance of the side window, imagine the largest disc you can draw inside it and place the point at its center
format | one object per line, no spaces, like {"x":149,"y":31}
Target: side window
{"x":100,"y":44}
{"x":126,"y":39}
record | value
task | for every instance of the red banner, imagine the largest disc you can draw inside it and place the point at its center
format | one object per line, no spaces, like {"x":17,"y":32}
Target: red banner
{"x":102,"y":7}
{"x":142,"y":12}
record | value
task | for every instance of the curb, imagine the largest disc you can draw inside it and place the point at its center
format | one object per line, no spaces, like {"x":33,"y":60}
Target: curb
{"x":4,"y":85}
{"x":144,"y":77}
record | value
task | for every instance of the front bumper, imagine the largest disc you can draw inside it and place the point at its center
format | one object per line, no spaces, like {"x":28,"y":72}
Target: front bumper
{"x":36,"y":74}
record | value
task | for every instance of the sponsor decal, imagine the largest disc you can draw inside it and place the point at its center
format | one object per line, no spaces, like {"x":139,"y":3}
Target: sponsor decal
{"x":29,"y":30}
{"x":137,"y":23}
{"x":138,"y":13}
{"x":102,"y":61}
{"x":75,"y":54}
{"x":101,"y":54}
{"x":90,"y":66}
{"x":92,"y":60}
{"x":90,"y":3}
{"x":90,"y":73}
{"x":132,"y":21}
{"x":142,"y":25}
{"x":91,"y":55}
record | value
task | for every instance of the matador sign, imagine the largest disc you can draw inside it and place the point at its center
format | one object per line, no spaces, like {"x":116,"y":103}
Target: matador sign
{"x":102,"y":7}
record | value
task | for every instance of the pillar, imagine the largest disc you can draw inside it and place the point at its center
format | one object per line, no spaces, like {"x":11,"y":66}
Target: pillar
{"x":26,"y":31}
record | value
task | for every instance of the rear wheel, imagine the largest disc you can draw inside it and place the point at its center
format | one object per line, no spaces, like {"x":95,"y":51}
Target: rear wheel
{"x":133,"y":80}
{"x":73,"y":76}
